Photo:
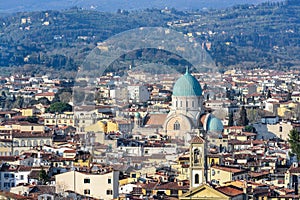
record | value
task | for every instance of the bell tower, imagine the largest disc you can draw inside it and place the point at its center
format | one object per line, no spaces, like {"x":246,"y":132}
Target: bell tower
{"x":197,"y":162}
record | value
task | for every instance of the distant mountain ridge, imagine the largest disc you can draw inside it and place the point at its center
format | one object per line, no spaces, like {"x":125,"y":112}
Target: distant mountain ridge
{"x":113,"y":5}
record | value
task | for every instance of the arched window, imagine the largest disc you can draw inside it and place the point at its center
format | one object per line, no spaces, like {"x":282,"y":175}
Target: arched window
{"x":196,"y":178}
{"x":16,"y":143}
{"x":29,"y":143}
{"x":35,"y":143}
{"x":196,"y":155}
{"x":176,"y":126}
{"x":22,"y":143}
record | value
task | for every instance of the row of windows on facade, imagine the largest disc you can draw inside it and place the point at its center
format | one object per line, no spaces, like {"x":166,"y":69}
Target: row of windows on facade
{"x":88,"y":191}
{"x":87,"y":180}
{"x":8,"y":184}
{"x":6,"y":176}
{"x":29,"y":143}
{"x":5,"y":153}
{"x":59,"y":121}
{"x":186,"y":104}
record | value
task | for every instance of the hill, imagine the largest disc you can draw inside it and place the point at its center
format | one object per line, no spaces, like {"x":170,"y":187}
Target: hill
{"x":248,"y":36}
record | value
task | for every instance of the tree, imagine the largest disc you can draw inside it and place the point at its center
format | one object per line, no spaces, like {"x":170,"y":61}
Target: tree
{"x":59,"y":107}
{"x":3,"y":94}
{"x":65,"y":97}
{"x":18,"y":103}
{"x":294,"y":141}
{"x":250,"y":128}
{"x":228,"y":93}
{"x":44,"y":101}
{"x":43,"y":176}
{"x":243,"y":120}
{"x":230,"y":120}
{"x":289,"y":97}
{"x":32,"y":119}
{"x":269,"y":95}
{"x":205,"y":87}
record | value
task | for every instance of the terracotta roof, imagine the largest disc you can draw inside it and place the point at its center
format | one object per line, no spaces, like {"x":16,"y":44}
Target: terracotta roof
{"x":230,"y":191}
{"x":10,"y":195}
{"x":294,"y":170}
{"x":69,"y":151}
{"x":32,"y":135}
{"x":172,"y":186}
{"x":156,"y":119}
{"x":8,"y":158}
{"x":24,"y":168}
{"x":44,"y":189}
{"x":228,"y":169}
{"x":45,"y":94}
{"x":7,"y":112}
{"x":290,"y":196}
{"x":197,"y":140}
{"x":258,"y":174}
{"x":234,"y":127}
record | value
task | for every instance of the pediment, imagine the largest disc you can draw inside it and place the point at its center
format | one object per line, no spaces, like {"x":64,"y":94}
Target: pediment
{"x":204,"y":192}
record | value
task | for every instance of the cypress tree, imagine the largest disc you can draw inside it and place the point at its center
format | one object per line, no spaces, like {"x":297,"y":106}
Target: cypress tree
{"x":294,"y":141}
{"x":243,"y":120}
{"x":230,"y":120}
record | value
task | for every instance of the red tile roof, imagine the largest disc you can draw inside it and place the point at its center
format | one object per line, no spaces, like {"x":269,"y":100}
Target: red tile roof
{"x":156,"y":119}
{"x":197,"y":140}
{"x":230,"y":191}
{"x":228,"y":169}
{"x":45,"y":94}
{"x":10,"y":195}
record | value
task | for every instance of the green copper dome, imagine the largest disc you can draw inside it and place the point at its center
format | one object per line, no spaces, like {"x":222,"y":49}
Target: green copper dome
{"x":187,"y":85}
{"x":214,"y":124}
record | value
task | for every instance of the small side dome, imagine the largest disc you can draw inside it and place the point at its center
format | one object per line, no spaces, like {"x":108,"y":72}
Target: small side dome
{"x":215,"y":125}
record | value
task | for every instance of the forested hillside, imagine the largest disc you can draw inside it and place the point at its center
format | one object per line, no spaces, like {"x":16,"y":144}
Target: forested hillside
{"x":265,"y":35}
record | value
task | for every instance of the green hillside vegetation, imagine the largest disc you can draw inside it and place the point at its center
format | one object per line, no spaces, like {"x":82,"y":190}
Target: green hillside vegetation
{"x":245,"y":36}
